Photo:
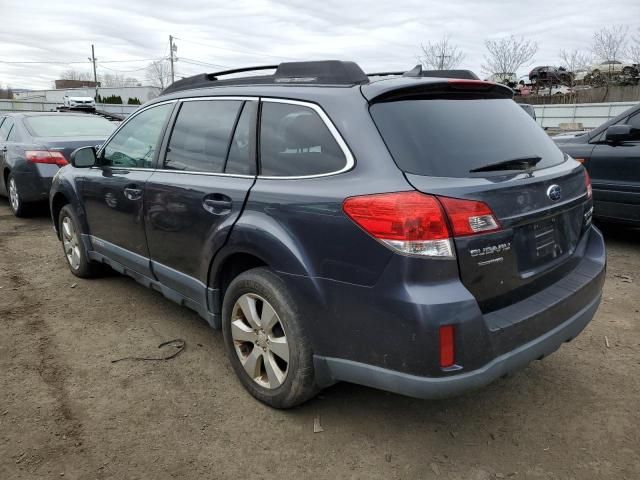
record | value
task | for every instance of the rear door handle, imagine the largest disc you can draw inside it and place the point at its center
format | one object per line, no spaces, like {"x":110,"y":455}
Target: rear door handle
{"x":217,"y":204}
{"x":133,"y":193}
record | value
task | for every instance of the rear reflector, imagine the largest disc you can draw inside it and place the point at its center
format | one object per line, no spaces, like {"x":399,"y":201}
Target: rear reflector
{"x":469,"y":217}
{"x":45,"y":156}
{"x":447,"y":346}
{"x":409,"y":222}
{"x":587,"y":182}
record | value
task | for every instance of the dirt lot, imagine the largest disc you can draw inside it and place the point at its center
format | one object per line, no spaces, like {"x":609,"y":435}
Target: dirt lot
{"x":66,"y":411}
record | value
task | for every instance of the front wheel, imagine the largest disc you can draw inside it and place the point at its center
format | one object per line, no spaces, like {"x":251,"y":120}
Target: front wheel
{"x":73,"y":246}
{"x":265,"y":340}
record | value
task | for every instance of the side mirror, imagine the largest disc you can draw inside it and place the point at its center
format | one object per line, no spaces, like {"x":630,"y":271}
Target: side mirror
{"x":83,"y":157}
{"x":618,"y":133}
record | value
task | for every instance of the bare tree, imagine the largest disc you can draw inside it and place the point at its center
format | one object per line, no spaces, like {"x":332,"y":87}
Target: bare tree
{"x":441,"y":55}
{"x":72,"y":74}
{"x":158,"y":73}
{"x":634,"y":50}
{"x":575,"y":61}
{"x":117,"y":80}
{"x":609,"y":43}
{"x":506,"y":55}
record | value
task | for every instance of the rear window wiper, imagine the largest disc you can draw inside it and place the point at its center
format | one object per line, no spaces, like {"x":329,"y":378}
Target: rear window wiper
{"x":523,"y":163}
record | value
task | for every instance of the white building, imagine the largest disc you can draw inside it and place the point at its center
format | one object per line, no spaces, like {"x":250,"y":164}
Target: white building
{"x":144,"y":94}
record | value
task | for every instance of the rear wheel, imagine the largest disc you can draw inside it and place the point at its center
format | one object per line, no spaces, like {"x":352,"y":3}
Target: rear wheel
{"x":265,"y":340}
{"x":627,"y":70}
{"x":18,"y":207}
{"x":73,"y":246}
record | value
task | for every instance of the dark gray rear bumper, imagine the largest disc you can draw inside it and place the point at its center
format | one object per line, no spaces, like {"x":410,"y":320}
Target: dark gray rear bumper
{"x":335,"y":369}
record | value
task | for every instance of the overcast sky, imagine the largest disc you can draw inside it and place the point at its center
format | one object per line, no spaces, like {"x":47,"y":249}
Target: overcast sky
{"x":379,"y":35}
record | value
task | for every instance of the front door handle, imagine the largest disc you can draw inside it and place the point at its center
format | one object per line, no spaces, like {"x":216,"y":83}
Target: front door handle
{"x":217,"y":204}
{"x":133,"y":193}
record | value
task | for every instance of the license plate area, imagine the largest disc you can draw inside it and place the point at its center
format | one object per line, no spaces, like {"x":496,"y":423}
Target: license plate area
{"x":543,"y":243}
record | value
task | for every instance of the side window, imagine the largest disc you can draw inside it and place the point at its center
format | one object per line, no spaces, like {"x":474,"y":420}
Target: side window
{"x":136,"y":142}
{"x":241,"y":158}
{"x":201,"y":135}
{"x":5,"y":128}
{"x":294,"y":141}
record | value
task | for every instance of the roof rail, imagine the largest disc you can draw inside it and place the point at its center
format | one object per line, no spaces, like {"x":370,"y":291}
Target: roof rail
{"x":326,"y":72}
{"x":418,"y":71}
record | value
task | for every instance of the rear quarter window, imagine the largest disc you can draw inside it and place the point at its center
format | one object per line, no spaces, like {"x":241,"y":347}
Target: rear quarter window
{"x":295,"y":141}
{"x":448,"y":138}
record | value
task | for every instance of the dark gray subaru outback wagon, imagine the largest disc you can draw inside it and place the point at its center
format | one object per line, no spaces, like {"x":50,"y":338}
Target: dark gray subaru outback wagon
{"x":415,"y":232}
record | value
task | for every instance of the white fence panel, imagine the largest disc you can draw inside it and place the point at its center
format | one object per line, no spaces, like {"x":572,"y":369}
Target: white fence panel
{"x":590,"y":115}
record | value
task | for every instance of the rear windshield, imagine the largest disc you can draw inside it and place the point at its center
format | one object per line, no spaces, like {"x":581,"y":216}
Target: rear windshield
{"x":448,"y":138}
{"x":69,"y":126}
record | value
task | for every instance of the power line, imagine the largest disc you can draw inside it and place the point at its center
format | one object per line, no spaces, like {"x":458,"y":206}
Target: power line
{"x":54,"y":62}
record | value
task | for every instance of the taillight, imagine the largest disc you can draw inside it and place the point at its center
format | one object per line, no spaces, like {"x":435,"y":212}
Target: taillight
{"x":416,"y":223}
{"x":409,"y":222}
{"x":469,"y":217}
{"x":45,"y":156}
{"x":447,"y":346}
{"x":587,"y":182}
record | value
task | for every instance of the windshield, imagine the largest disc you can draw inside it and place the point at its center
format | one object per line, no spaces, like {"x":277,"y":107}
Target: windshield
{"x":448,"y":138}
{"x":69,"y":126}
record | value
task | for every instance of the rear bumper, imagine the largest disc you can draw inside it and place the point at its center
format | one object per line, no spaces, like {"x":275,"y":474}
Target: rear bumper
{"x":398,"y":340}
{"x":34,"y":181}
{"x":331,"y":370}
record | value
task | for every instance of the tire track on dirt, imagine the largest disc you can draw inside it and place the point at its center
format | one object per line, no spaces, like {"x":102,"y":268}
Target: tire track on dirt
{"x":22,"y":304}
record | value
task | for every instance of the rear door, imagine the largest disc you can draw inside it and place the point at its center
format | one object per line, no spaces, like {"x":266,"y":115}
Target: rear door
{"x":112,"y":192}
{"x":198,"y":191}
{"x":440,"y":142}
{"x":615,"y":173}
{"x":4,"y":132}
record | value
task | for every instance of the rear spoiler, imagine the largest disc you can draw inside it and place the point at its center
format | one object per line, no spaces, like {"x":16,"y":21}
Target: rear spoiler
{"x":445,"y":88}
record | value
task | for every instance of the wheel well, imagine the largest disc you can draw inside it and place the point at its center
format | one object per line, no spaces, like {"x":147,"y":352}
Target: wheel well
{"x":59,"y":201}
{"x":233,"y":266}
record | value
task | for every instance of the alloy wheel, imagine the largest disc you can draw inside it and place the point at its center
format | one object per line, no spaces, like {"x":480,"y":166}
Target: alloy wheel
{"x":260,"y":340}
{"x":14,"y":197}
{"x":70,"y":242}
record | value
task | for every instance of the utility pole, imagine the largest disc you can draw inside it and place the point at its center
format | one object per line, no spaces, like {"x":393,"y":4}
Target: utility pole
{"x":95,"y":75}
{"x":171,"y":50}
{"x":441,"y":62}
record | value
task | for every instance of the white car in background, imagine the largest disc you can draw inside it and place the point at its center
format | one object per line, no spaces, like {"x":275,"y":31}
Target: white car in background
{"x":554,"y":90}
{"x":79,"y":103}
{"x":614,"y":66}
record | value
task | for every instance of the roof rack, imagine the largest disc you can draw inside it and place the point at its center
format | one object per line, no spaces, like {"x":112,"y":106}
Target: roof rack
{"x":418,"y":71}
{"x":326,"y":72}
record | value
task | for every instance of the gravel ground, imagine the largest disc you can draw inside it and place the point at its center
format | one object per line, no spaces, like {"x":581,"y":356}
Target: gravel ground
{"x":66,"y":411}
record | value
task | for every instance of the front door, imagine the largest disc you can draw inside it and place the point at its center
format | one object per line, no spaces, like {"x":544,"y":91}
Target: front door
{"x":615,"y":175}
{"x":197,"y":193}
{"x":113,"y":191}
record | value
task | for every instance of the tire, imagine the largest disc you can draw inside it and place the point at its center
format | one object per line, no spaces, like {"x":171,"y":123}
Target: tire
{"x":73,"y":247}
{"x":627,"y":70}
{"x":273,"y":381}
{"x":18,"y":206}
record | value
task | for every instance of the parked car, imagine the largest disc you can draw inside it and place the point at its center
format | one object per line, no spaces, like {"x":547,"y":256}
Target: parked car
{"x":73,"y":102}
{"x":365,"y":245}
{"x":508,"y":79}
{"x":33,"y":146}
{"x":611,"y":154}
{"x":554,"y":90}
{"x":548,"y":74}
{"x":614,"y":66}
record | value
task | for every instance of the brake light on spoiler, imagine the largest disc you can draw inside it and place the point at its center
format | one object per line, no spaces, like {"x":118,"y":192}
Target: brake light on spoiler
{"x":419,"y":224}
{"x":46,"y":156}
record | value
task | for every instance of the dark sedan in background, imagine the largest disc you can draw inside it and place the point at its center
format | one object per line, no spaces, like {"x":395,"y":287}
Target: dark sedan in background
{"x":33,"y":146}
{"x":611,"y":154}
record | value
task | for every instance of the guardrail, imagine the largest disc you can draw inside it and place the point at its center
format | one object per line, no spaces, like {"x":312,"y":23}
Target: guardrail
{"x":30,"y":106}
{"x":590,"y":115}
